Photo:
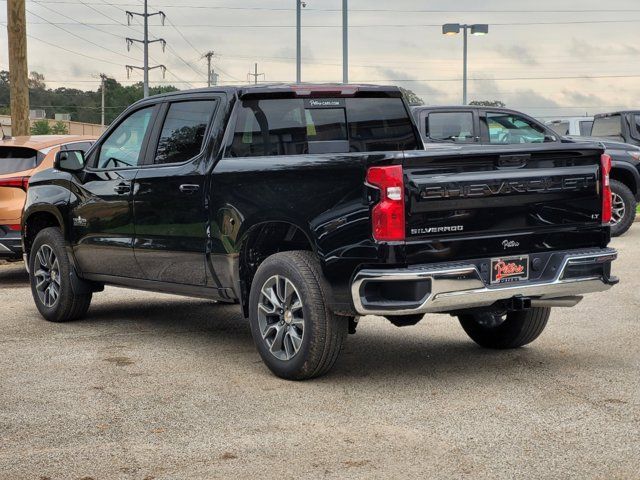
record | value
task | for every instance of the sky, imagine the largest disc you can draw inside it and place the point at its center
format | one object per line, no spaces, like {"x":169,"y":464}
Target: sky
{"x":547,"y":58}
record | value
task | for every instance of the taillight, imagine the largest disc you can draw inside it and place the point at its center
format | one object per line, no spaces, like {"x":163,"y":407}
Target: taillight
{"x":15,"y":182}
{"x":388,"y":215}
{"x":605,"y":162}
{"x":15,"y":228}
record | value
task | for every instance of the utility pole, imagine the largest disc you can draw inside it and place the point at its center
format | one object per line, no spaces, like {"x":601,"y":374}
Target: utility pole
{"x":299,"y":6}
{"x":103,"y":82}
{"x":345,"y":41}
{"x":145,"y":44}
{"x":18,"y":69}
{"x":255,"y":75}
{"x":210,"y":75}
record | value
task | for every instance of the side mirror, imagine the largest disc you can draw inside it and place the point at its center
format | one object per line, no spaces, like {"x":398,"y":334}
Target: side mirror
{"x":69,"y":161}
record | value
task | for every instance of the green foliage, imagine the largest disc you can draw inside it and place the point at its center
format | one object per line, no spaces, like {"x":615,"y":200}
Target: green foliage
{"x":488,"y":103}
{"x":60,"y":128}
{"x":411,"y":98}
{"x":84,"y":106}
{"x":41,"y":127}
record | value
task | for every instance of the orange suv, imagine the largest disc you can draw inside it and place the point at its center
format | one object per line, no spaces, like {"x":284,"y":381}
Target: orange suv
{"x":21,"y":157}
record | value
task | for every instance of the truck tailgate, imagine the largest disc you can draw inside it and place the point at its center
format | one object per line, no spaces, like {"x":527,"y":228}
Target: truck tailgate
{"x":491,"y":200}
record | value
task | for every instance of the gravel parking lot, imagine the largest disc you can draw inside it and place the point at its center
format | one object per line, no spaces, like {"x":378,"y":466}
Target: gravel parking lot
{"x":155,"y":386}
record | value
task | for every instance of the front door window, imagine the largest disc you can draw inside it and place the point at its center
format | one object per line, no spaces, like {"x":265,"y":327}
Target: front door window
{"x":123,"y":147}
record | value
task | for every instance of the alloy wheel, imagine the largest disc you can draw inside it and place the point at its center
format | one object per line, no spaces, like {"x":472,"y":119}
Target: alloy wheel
{"x":281,"y":317}
{"x":618,"y":209}
{"x":47,"y":275}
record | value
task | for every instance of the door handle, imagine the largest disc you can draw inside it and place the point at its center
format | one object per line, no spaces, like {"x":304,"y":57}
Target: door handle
{"x":122,"y":188}
{"x":189,"y":188}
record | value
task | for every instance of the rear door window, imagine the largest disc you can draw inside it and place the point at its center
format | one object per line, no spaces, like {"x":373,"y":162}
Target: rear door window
{"x":268,"y":127}
{"x":607,"y":127}
{"x":17,"y":159}
{"x":456,"y":127}
{"x":183,"y":131}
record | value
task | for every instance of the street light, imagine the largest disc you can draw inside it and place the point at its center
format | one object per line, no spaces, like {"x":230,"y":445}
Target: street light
{"x":454,"y":29}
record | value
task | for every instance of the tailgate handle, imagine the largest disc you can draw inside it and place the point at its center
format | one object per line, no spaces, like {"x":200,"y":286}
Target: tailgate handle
{"x":513,"y":161}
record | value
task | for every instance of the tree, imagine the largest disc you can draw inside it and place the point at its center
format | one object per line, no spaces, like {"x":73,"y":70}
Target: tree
{"x":36,"y":81}
{"x":84,"y":106}
{"x":411,"y":98}
{"x":488,"y":103}
{"x":60,"y":128}
{"x":41,"y":127}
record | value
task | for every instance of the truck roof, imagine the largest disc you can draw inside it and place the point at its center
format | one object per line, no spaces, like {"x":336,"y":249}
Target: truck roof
{"x":300,"y":89}
{"x":618,"y":112}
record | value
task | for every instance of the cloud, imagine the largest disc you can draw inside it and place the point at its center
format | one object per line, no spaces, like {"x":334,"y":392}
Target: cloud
{"x":428,"y":93}
{"x":518,"y":53}
{"x":586,"y":50}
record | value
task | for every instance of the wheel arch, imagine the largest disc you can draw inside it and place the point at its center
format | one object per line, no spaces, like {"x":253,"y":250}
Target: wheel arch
{"x":36,"y":219}
{"x":263,"y":240}
{"x":627,"y":174}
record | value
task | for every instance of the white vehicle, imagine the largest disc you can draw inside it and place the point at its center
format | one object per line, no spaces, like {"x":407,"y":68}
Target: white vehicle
{"x":574,"y":126}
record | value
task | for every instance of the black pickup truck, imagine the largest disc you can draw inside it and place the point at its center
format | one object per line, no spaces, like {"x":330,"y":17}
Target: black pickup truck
{"x":312,"y":206}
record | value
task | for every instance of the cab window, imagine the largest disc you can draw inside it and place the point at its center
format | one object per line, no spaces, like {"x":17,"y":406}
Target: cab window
{"x":123,"y":147}
{"x":183,"y":132}
{"x":509,"y":128}
{"x":456,"y":127}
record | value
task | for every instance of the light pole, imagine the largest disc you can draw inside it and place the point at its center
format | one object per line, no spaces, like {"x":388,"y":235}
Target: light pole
{"x":345,"y":41}
{"x":299,"y":6}
{"x":454,"y":29}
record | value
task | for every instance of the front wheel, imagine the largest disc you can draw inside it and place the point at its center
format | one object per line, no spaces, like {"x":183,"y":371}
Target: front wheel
{"x":50,"y":277}
{"x":296,"y":334}
{"x":506,"y":329}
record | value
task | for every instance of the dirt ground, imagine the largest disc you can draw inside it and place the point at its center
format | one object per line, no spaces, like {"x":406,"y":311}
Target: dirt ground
{"x":155,"y":386}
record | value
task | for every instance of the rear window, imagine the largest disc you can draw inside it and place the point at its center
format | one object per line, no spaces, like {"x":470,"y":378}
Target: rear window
{"x":17,"y":159}
{"x":267,"y":127}
{"x":607,"y":127}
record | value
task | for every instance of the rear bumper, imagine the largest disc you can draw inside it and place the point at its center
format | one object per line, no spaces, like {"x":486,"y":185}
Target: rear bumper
{"x":10,"y":243}
{"x":451,"y":287}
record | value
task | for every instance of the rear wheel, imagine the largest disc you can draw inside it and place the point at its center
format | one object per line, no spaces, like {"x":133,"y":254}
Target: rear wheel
{"x":296,"y":334}
{"x":506,"y":329}
{"x":50,"y":276}
{"x":623,"y":211}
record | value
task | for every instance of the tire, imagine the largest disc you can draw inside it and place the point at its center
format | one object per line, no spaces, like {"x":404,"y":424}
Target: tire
{"x":56,"y":269}
{"x":304,"y":322}
{"x":516,"y":330}
{"x":624,"y":199}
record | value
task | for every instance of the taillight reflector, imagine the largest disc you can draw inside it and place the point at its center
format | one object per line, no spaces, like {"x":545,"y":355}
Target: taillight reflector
{"x":388,"y":214}
{"x":15,"y":182}
{"x":605,"y":162}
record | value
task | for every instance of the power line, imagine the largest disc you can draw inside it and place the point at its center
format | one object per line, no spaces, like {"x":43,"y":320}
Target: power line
{"x":373,"y":10}
{"x":382,"y":25}
{"x":79,"y":36}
